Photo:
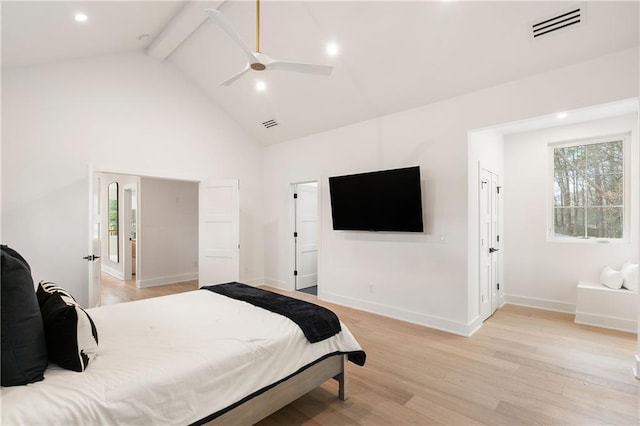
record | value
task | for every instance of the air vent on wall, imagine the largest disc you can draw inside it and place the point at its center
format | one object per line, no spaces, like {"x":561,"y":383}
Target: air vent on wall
{"x":563,"y":20}
{"x":269,"y":123}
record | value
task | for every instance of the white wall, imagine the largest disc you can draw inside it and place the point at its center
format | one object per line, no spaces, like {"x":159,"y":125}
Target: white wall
{"x":544,"y":273}
{"x":124,"y":113}
{"x":417,"y":277}
{"x":167,"y":232}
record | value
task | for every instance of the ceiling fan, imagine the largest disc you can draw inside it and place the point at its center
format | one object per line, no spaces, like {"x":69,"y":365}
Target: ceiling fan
{"x":258,"y":61}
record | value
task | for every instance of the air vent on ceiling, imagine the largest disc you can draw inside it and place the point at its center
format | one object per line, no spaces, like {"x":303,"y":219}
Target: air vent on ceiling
{"x":269,"y":123}
{"x":563,"y":20}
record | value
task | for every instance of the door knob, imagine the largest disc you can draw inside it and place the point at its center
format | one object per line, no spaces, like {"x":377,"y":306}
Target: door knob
{"x":491,"y":250}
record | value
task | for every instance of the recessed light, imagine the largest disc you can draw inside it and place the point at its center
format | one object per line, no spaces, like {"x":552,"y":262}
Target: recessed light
{"x":80,"y":17}
{"x":561,"y":115}
{"x":261,"y":86}
{"x":332,"y":49}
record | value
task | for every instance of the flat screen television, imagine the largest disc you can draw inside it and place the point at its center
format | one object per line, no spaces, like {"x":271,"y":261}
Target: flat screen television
{"x":387,"y":200}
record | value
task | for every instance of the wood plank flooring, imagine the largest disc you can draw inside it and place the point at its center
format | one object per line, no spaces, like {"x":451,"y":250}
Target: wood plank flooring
{"x":116,"y":291}
{"x":523,"y":367}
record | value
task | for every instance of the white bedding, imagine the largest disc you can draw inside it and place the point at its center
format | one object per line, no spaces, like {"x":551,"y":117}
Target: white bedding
{"x":170,"y":360}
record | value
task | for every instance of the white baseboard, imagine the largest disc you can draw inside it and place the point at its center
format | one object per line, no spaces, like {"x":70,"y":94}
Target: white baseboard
{"x":443,"y":324}
{"x":255,"y":282}
{"x":119,"y":275}
{"x":636,"y":370}
{"x":613,"y":323}
{"x":474,"y":326}
{"x":276,"y":283}
{"x":544,"y":304}
{"x":171,"y":279}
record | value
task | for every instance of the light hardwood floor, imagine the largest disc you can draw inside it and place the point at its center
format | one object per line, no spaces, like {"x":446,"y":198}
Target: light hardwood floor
{"x":116,"y":291}
{"x":523,"y":367}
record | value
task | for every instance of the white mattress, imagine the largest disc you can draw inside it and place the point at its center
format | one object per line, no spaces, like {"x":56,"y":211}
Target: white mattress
{"x":170,"y":360}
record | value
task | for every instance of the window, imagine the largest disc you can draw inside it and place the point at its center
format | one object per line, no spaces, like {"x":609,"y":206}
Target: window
{"x":589,"y":189}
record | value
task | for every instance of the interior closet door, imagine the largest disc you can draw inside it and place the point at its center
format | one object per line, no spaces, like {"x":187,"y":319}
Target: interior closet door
{"x":219,"y":232}
{"x":306,"y":235}
{"x":489,"y":243}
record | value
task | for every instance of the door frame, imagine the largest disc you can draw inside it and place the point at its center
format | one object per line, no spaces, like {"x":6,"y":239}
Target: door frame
{"x":117,"y":170}
{"x":495,"y":293}
{"x":291,"y":282}
{"x":126,"y":230}
{"x":94,"y":267}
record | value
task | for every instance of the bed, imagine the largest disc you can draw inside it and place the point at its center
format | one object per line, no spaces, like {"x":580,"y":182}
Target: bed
{"x":189,"y":358}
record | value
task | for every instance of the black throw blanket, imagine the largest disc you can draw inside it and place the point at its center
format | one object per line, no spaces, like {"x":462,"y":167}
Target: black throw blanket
{"x":317,"y":323}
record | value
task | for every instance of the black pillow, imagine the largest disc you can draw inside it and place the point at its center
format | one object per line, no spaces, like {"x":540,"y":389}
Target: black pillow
{"x":72,"y":338}
{"x":24,"y":350}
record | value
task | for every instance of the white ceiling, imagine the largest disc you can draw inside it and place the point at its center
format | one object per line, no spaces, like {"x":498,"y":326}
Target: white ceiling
{"x":37,"y":32}
{"x":393,"y":55}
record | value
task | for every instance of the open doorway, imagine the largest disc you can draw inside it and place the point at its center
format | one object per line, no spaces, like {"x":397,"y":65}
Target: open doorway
{"x":157,"y":230}
{"x":305,"y":236}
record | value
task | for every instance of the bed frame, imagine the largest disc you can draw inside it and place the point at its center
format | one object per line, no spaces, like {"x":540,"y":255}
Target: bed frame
{"x":267,"y":403}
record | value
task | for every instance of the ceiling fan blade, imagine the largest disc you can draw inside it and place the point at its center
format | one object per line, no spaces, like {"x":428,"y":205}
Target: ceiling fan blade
{"x":300,"y":67}
{"x":233,"y":78}
{"x":222,"y":21}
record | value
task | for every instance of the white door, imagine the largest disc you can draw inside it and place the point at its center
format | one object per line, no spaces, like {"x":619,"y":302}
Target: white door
{"x":489,"y":243}
{"x":306,"y":235}
{"x":93,"y":256}
{"x":219,"y":232}
{"x":126,"y":235}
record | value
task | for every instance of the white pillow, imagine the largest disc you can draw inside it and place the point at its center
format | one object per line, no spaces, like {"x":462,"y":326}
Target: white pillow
{"x":611,"y":278}
{"x":630,"y":274}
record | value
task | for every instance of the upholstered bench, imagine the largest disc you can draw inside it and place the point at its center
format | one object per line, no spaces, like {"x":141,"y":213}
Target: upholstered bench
{"x":602,"y":306}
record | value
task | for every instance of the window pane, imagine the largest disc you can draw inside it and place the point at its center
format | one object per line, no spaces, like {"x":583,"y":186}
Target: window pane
{"x":569,"y":222}
{"x":604,"y":222}
{"x":588,"y":190}
{"x":604,"y":157}
{"x":605,"y":190}
{"x":569,"y":183}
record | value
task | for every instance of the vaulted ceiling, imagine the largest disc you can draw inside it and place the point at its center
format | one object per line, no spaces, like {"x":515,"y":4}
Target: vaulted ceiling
{"x":392,"y":55}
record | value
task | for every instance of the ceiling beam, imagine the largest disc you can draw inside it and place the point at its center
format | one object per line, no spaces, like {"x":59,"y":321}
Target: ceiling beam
{"x":186,"y":21}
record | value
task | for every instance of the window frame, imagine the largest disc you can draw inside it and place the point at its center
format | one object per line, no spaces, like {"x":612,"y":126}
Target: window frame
{"x":626,"y":187}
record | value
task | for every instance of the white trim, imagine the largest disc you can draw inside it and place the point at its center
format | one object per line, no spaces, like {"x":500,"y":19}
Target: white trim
{"x":626,"y":170}
{"x":276,"y":283}
{"x":291,"y":282}
{"x":545,"y":304}
{"x":116,"y":273}
{"x":636,"y":370}
{"x":443,"y":324}
{"x":605,"y":321}
{"x":148,"y":173}
{"x":170,"y":279}
{"x":255,"y":282}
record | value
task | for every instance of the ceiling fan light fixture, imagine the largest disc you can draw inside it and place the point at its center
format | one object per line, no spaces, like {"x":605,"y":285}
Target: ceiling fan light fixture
{"x":258,"y":61}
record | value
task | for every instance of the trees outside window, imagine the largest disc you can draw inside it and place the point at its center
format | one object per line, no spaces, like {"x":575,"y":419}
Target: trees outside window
{"x":588,"y":189}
